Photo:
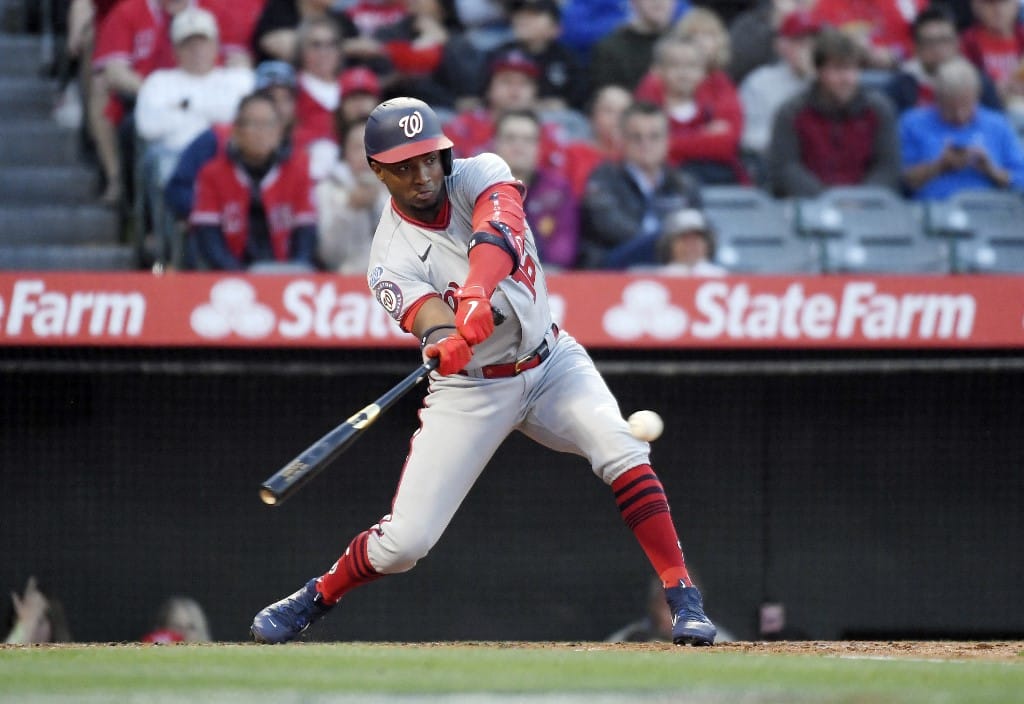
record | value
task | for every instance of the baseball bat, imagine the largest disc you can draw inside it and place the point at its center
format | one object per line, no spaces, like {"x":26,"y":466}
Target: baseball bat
{"x":315,"y":458}
{"x":311,"y":461}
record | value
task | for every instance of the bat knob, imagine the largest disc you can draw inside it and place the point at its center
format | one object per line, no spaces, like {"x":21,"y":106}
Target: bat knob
{"x":268,"y":497}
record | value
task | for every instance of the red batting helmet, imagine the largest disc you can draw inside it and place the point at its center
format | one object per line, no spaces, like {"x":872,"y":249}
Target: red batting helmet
{"x":401,"y":128}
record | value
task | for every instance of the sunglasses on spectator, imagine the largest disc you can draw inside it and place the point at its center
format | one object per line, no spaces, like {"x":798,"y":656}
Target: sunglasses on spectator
{"x":323,"y":44}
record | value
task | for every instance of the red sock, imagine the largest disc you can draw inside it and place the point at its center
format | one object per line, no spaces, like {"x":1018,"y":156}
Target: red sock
{"x":642,"y":503}
{"x":352,"y":569}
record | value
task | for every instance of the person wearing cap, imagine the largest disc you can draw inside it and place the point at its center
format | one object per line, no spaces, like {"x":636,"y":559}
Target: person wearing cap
{"x":935,"y":42}
{"x":360,"y":93}
{"x":175,"y":105}
{"x":273,"y":78}
{"x":319,"y":66}
{"x":753,"y":34}
{"x":536,"y":28}
{"x":766,"y":88}
{"x":512,"y":86}
{"x":686,"y":246}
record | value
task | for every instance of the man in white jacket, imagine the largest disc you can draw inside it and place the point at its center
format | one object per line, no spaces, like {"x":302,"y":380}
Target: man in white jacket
{"x":175,"y":105}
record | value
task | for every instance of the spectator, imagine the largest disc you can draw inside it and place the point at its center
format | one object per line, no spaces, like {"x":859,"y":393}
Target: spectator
{"x":935,"y":42}
{"x":237,"y":21}
{"x":180,"y":619}
{"x":702,"y":141}
{"x":276,"y":32}
{"x":753,"y":33}
{"x":552,"y":210}
{"x":319,"y":64}
{"x":687,"y":246}
{"x":585,"y":22}
{"x":369,"y":17}
{"x":254,"y":202}
{"x":175,"y":105}
{"x":512,"y":86}
{"x":416,"y":47}
{"x":276,"y":79}
{"x":36,"y":617}
{"x":716,"y":95}
{"x":485,"y":22}
{"x":360,"y":93}
{"x":625,"y":203}
{"x":132,"y":41}
{"x":349,"y":201}
{"x":624,"y":56}
{"x":956,"y":144}
{"x":835,"y":133}
{"x":766,"y":88}
{"x":881,"y":28}
{"x":536,"y":26}
{"x":995,"y":44}
{"x":578,"y":158}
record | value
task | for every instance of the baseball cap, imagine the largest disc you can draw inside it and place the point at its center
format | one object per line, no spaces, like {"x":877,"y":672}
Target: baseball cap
{"x":799,"y":23}
{"x":548,"y":6}
{"x":191,"y":22}
{"x":686,"y":220}
{"x":514,"y":60}
{"x":274,"y":73}
{"x":359,"y":80}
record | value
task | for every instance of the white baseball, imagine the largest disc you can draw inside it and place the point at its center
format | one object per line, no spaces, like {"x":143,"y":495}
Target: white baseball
{"x":646,"y":425}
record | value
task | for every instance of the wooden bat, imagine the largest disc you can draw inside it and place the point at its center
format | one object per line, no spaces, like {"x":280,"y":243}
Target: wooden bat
{"x":311,"y":461}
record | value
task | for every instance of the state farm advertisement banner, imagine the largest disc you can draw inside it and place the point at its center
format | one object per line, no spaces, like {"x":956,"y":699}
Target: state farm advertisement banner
{"x":601,"y":310}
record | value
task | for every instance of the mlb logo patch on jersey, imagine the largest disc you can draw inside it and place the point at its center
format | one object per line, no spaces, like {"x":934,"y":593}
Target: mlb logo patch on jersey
{"x":375,"y":275}
{"x":389,"y":296}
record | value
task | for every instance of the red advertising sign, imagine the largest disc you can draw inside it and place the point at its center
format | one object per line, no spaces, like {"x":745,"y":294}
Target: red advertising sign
{"x":601,"y":310}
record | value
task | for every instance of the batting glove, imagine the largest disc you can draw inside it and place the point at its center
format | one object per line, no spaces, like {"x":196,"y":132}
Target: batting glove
{"x":473,"y":316}
{"x":453,"y":351}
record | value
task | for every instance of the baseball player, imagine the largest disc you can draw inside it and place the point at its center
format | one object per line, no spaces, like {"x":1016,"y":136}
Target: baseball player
{"x":452,"y":248}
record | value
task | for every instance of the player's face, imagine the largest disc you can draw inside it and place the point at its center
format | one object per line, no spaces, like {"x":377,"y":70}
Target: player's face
{"x":416,"y":184}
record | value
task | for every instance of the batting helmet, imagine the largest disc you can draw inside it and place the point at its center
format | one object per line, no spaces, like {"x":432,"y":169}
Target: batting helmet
{"x":401,"y":128}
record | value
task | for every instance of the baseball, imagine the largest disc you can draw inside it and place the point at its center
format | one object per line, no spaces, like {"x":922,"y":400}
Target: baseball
{"x":646,"y":425}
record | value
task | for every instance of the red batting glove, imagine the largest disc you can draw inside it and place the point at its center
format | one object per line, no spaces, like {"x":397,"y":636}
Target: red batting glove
{"x":453,"y":351}
{"x":473,"y":316}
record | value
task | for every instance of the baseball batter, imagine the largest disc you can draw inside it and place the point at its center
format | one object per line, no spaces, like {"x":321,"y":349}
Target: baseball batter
{"x":453,"y":248}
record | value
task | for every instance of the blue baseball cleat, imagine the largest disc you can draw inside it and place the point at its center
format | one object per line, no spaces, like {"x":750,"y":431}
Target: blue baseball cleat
{"x":689,"y":624}
{"x":284,"y":620}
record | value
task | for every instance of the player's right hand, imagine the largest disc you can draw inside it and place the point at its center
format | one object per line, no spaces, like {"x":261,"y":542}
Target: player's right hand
{"x":453,"y":351}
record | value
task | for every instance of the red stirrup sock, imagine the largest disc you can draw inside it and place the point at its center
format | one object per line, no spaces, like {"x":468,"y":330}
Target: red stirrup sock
{"x":644,"y":508}
{"x":352,"y":569}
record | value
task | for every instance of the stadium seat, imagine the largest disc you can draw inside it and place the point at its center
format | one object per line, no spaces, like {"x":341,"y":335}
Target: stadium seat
{"x":985,"y":230}
{"x":755,"y":234}
{"x":871,"y":229}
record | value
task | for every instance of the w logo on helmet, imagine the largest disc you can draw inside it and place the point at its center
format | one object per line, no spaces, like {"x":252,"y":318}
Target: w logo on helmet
{"x":411,"y":124}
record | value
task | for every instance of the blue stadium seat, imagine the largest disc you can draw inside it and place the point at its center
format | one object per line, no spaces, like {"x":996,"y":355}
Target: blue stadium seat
{"x":755,"y":234}
{"x":871,"y":229}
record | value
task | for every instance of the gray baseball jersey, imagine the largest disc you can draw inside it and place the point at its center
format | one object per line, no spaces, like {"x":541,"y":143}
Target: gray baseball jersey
{"x":410,"y":260}
{"x":563,"y":403}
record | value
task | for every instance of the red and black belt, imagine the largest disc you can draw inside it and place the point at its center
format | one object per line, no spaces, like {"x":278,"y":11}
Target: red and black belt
{"x":528,"y":361}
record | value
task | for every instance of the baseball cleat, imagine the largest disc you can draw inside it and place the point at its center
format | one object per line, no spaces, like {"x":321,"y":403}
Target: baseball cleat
{"x":284,"y":620}
{"x":689,"y":624}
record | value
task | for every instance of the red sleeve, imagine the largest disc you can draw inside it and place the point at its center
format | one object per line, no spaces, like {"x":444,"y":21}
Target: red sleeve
{"x":206,"y":210}
{"x":650,"y":89}
{"x":303,"y":204}
{"x":114,"y":38}
{"x":409,"y":59}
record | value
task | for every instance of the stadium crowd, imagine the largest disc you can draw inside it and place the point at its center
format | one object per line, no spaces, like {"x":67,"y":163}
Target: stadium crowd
{"x":237,"y":124}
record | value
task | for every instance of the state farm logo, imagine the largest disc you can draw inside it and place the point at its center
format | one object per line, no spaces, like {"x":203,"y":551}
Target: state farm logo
{"x":721,"y":309}
{"x":233,"y":308}
{"x":304,"y":309}
{"x":38,"y":311}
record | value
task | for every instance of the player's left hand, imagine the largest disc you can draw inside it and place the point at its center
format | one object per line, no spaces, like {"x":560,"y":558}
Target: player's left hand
{"x":453,"y":351}
{"x":473,"y":316}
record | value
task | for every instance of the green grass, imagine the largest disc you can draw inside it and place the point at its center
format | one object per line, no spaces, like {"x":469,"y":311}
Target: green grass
{"x":350,"y":672}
